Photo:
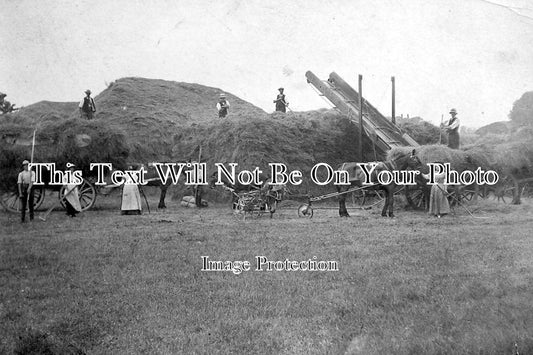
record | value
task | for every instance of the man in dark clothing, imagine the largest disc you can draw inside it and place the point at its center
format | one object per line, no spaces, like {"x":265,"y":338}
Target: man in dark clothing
{"x":222,"y":106}
{"x":87,"y":106}
{"x":452,"y":128}
{"x":281,"y":104}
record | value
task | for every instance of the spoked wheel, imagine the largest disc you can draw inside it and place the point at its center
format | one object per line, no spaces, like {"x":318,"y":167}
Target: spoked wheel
{"x":467,"y":194}
{"x":86,"y":193}
{"x":245,"y":207}
{"x":11,"y":201}
{"x":416,"y":197}
{"x":305,"y":211}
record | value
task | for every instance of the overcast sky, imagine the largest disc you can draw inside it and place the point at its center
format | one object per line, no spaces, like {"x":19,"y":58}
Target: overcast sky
{"x":476,"y":56}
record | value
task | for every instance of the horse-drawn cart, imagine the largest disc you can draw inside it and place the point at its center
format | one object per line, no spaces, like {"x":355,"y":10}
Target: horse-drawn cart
{"x":364,"y":198}
{"x":254,"y":203}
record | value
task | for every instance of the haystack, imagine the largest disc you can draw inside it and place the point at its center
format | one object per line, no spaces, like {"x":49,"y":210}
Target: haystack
{"x":76,"y":141}
{"x":459,"y":160}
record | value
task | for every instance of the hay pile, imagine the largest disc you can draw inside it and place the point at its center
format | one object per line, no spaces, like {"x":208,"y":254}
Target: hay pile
{"x":459,"y":160}
{"x":145,"y":120}
{"x":175,"y":102}
{"x":421,"y":131}
{"x":501,"y":127}
{"x":76,"y":141}
{"x":41,"y":111}
{"x":295,"y":141}
{"x":509,"y":155}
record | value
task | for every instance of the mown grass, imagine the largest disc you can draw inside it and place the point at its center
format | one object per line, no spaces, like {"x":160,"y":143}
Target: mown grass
{"x":106,"y":283}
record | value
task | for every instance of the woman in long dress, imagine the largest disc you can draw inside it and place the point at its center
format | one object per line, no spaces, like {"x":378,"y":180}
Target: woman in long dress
{"x":438,"y":200}
{"x":72,"y":198}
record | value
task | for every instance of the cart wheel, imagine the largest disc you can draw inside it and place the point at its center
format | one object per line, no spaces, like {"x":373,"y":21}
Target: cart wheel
{"x":416,"y":197}
{"x":86,"y":192}
{"x":11,"y":201}
{"x":305,"y":211}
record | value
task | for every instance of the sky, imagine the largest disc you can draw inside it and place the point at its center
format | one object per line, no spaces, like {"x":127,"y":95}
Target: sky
{"x":472,"y":55}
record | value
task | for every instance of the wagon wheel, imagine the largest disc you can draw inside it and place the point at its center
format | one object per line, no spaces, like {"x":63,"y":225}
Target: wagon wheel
{"x":11,"y":201}
{"x":416,"y":196}
{"x":467,"y":193}
{"x":244,"y":207}
{"x":305,"y":211}
{"x":86,"y":192}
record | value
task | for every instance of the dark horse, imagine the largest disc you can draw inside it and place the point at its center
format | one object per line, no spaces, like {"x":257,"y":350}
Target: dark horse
{"x":407,"y":161}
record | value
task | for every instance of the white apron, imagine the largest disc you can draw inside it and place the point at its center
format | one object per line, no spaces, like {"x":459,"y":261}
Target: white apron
{"x":131,"y":198}
{"x":73,"y":197}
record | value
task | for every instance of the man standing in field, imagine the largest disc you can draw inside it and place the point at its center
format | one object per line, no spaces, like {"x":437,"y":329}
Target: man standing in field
{"x":281,"y":104}
{"x":222,"y":106}
{"x":25,"y":181}
{"x":87,"y":106}
{"x":452,"y":128}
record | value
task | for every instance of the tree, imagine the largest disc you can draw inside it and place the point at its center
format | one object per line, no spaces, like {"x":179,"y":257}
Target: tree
{"x":522,"y":112}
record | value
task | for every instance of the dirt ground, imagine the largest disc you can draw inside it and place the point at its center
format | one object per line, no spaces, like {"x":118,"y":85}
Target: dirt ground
{"x":105,"y":283}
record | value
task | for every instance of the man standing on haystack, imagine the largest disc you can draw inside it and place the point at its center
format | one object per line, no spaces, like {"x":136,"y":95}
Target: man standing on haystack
{"x":452,"y":128}
{"x":25,"y":181}
{"x":281,"y":104}
{"x":87,"y":106}
{"x":222,"y":106}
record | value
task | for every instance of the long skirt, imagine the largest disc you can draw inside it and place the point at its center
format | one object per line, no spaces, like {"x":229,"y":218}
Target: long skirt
{"x":131,"y":199}
{"x":438,"y":201}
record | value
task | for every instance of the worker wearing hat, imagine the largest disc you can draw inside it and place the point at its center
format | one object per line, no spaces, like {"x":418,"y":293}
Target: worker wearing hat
{"x":452,"y":128}
{"x":87,"y":106}
{"x":25,"y":181}
{"x":281,"y":104}
{"x":222,"y":106}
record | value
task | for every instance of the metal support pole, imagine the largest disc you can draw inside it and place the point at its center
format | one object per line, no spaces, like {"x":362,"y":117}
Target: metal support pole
{"x":393,"y":100}
{"x":360,"y":118}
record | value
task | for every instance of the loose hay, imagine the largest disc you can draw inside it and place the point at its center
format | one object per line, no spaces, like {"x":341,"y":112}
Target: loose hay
{"x":459,"y":160}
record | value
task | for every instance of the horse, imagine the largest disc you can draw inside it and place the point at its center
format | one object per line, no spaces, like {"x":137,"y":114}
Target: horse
{"x":357,"y":176}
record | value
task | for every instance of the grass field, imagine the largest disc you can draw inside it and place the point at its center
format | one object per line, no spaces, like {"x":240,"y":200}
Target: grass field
{"x":103,"y":283}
